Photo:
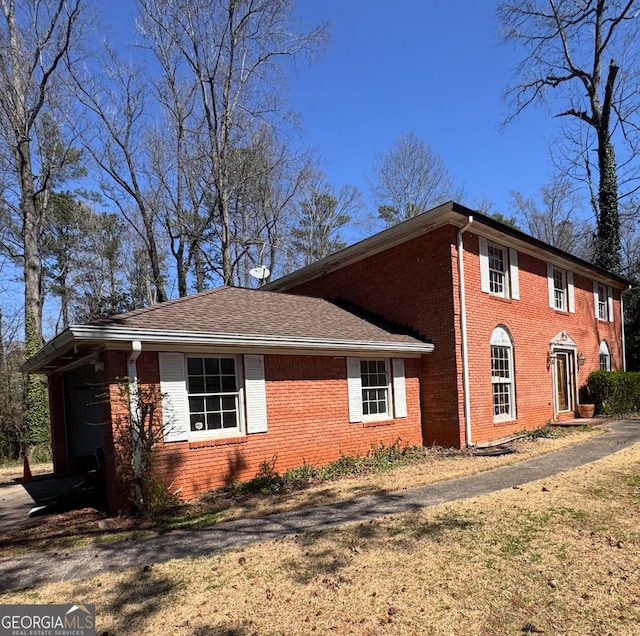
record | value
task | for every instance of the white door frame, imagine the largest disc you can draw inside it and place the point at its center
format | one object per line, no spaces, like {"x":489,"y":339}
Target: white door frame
{"x":563,"y":345}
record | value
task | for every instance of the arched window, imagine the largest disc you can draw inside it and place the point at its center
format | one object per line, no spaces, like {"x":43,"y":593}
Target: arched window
{"x":605,"y":356}
{"x":502,"y":377}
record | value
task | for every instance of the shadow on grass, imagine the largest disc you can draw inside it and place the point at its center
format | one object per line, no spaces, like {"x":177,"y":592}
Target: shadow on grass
{"x":137,"y":598}
{"x":328,"y":553}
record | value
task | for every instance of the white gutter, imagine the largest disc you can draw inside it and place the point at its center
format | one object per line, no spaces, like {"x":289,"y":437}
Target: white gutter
{"x":155,"y":338}
{"x":115,"y":334}
{"x":463,"y":335}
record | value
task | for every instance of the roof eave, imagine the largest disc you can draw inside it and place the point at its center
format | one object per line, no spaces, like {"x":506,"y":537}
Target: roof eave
{"x":117,"y":337}
{"x":448,"y":213}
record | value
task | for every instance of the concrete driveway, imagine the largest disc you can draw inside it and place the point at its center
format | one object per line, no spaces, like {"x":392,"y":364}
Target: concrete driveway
{"x":17,"y":499}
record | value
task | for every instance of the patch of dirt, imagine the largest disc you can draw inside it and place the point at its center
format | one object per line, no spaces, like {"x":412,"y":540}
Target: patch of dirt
{"x":68,"y":529}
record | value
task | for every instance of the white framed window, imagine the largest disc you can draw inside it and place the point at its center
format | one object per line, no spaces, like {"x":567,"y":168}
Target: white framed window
{"x":498,"y":277}
{"x":560,"y":283}
{"x":210,"y":396}
{"x":502,"y":377}
{"x":605,"y":356}
{"x":603,"y":301}
{"x":213,"y":396}
{"x":498,"y":270}
{"x":377,"y":389}
{"x":374,"y":380}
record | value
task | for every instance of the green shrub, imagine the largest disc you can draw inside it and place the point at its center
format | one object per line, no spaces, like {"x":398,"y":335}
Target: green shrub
{"x":615,"y":392}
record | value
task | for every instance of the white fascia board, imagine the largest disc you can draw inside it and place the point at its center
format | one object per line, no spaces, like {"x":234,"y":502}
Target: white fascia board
{"x":152,"y":338}
{"x":61,"y":343}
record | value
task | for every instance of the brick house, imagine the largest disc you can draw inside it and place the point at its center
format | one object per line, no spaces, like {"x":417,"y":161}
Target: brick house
{"x":450,"y":328}
{"x":247,"y":377}
{"x":517,"y":325}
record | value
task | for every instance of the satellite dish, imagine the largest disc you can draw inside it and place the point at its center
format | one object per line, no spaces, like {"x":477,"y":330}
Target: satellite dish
{"x":261,"y":273}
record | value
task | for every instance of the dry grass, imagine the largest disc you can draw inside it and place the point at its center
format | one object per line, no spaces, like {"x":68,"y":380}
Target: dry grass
{"x":85,"y":526}
{"x":482,"y":566}
{"x":13,"y":472}
{"x":558,"y":556}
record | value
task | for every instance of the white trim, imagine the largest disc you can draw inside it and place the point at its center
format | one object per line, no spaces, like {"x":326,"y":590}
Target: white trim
{"x":610,"y":302}
{"x":514,"y":276}
{"x":399,"y":388}
{"x":175,"y":407}
{"x":570,"y":294}
{"x":501,"y":339}
{"x":93,"y":332}
{"x":483,"y":248}
{"x":596,"y":299}
{"x":255,"y":394}
{"x":354,"y":389}
{"x":551,"y":286}
{"x":114,"y":337}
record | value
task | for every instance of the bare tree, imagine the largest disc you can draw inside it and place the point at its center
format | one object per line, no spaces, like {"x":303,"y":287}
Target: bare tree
{"x":233,"y":50}
{"x":36,"y":38}
{"x":114,"y":136}
{"x":587,"y":50}
{"x":409,"y":179}
{"x":555,"y":217}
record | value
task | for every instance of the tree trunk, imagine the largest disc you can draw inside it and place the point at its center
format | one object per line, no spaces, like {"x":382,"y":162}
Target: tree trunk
{"x":608,"y":236}
{"x":36,"y":406}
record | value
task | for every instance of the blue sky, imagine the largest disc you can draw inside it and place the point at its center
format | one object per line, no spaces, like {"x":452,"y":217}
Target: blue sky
{"x":431,"y":67}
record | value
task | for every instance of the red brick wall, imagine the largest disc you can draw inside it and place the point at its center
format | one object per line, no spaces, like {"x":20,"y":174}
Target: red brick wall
{"x":416,"y":284}
{"x":412,"y":284}
{"x":308,"y":421}
{"x":532,"y":324}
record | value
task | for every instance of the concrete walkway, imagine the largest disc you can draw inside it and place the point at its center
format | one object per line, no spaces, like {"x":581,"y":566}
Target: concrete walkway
{"x":33,"y":569}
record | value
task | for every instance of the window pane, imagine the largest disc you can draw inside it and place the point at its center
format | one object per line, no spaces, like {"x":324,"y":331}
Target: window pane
{"x":502,"y":386}
{"x":559,"y":289}
{"x":214,"y":421}
{"x":213,"y":384}
{"x":196,"y":405}
{"x":213,"y":403}
{"x":213,"y":394}
{"x":228,"y":384}
{"x":196,"y":384}
{"x":227,"y":366}
{"x":229,"y":419}
{"x":211,"y":366}
{"x":197,"y":422}
{"x":497,"y":270}
{"x":194,"y":366}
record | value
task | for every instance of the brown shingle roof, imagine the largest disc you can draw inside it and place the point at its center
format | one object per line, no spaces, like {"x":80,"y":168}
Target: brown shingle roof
{"x":231,"y":310}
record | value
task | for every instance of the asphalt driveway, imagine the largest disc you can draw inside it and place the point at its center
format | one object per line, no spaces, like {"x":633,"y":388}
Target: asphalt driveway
{"x":33,"y":569}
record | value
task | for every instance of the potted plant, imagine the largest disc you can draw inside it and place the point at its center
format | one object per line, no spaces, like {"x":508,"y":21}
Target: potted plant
{"x":586,"y":407}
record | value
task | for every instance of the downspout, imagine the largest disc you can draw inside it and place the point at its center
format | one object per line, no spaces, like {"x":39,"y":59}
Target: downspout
{"x":132,"y":373}
{"x":463,"y":335}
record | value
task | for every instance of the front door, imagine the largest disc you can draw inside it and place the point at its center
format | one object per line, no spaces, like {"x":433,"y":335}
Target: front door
{"x":564,"y":385}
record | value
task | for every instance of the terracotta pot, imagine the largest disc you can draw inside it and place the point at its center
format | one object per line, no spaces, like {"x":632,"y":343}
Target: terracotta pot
{"x":586,"y":410}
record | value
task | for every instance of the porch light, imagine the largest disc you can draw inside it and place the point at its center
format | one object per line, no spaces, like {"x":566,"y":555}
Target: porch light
{"x":550,"y":358}
{"x":581,"y":359}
